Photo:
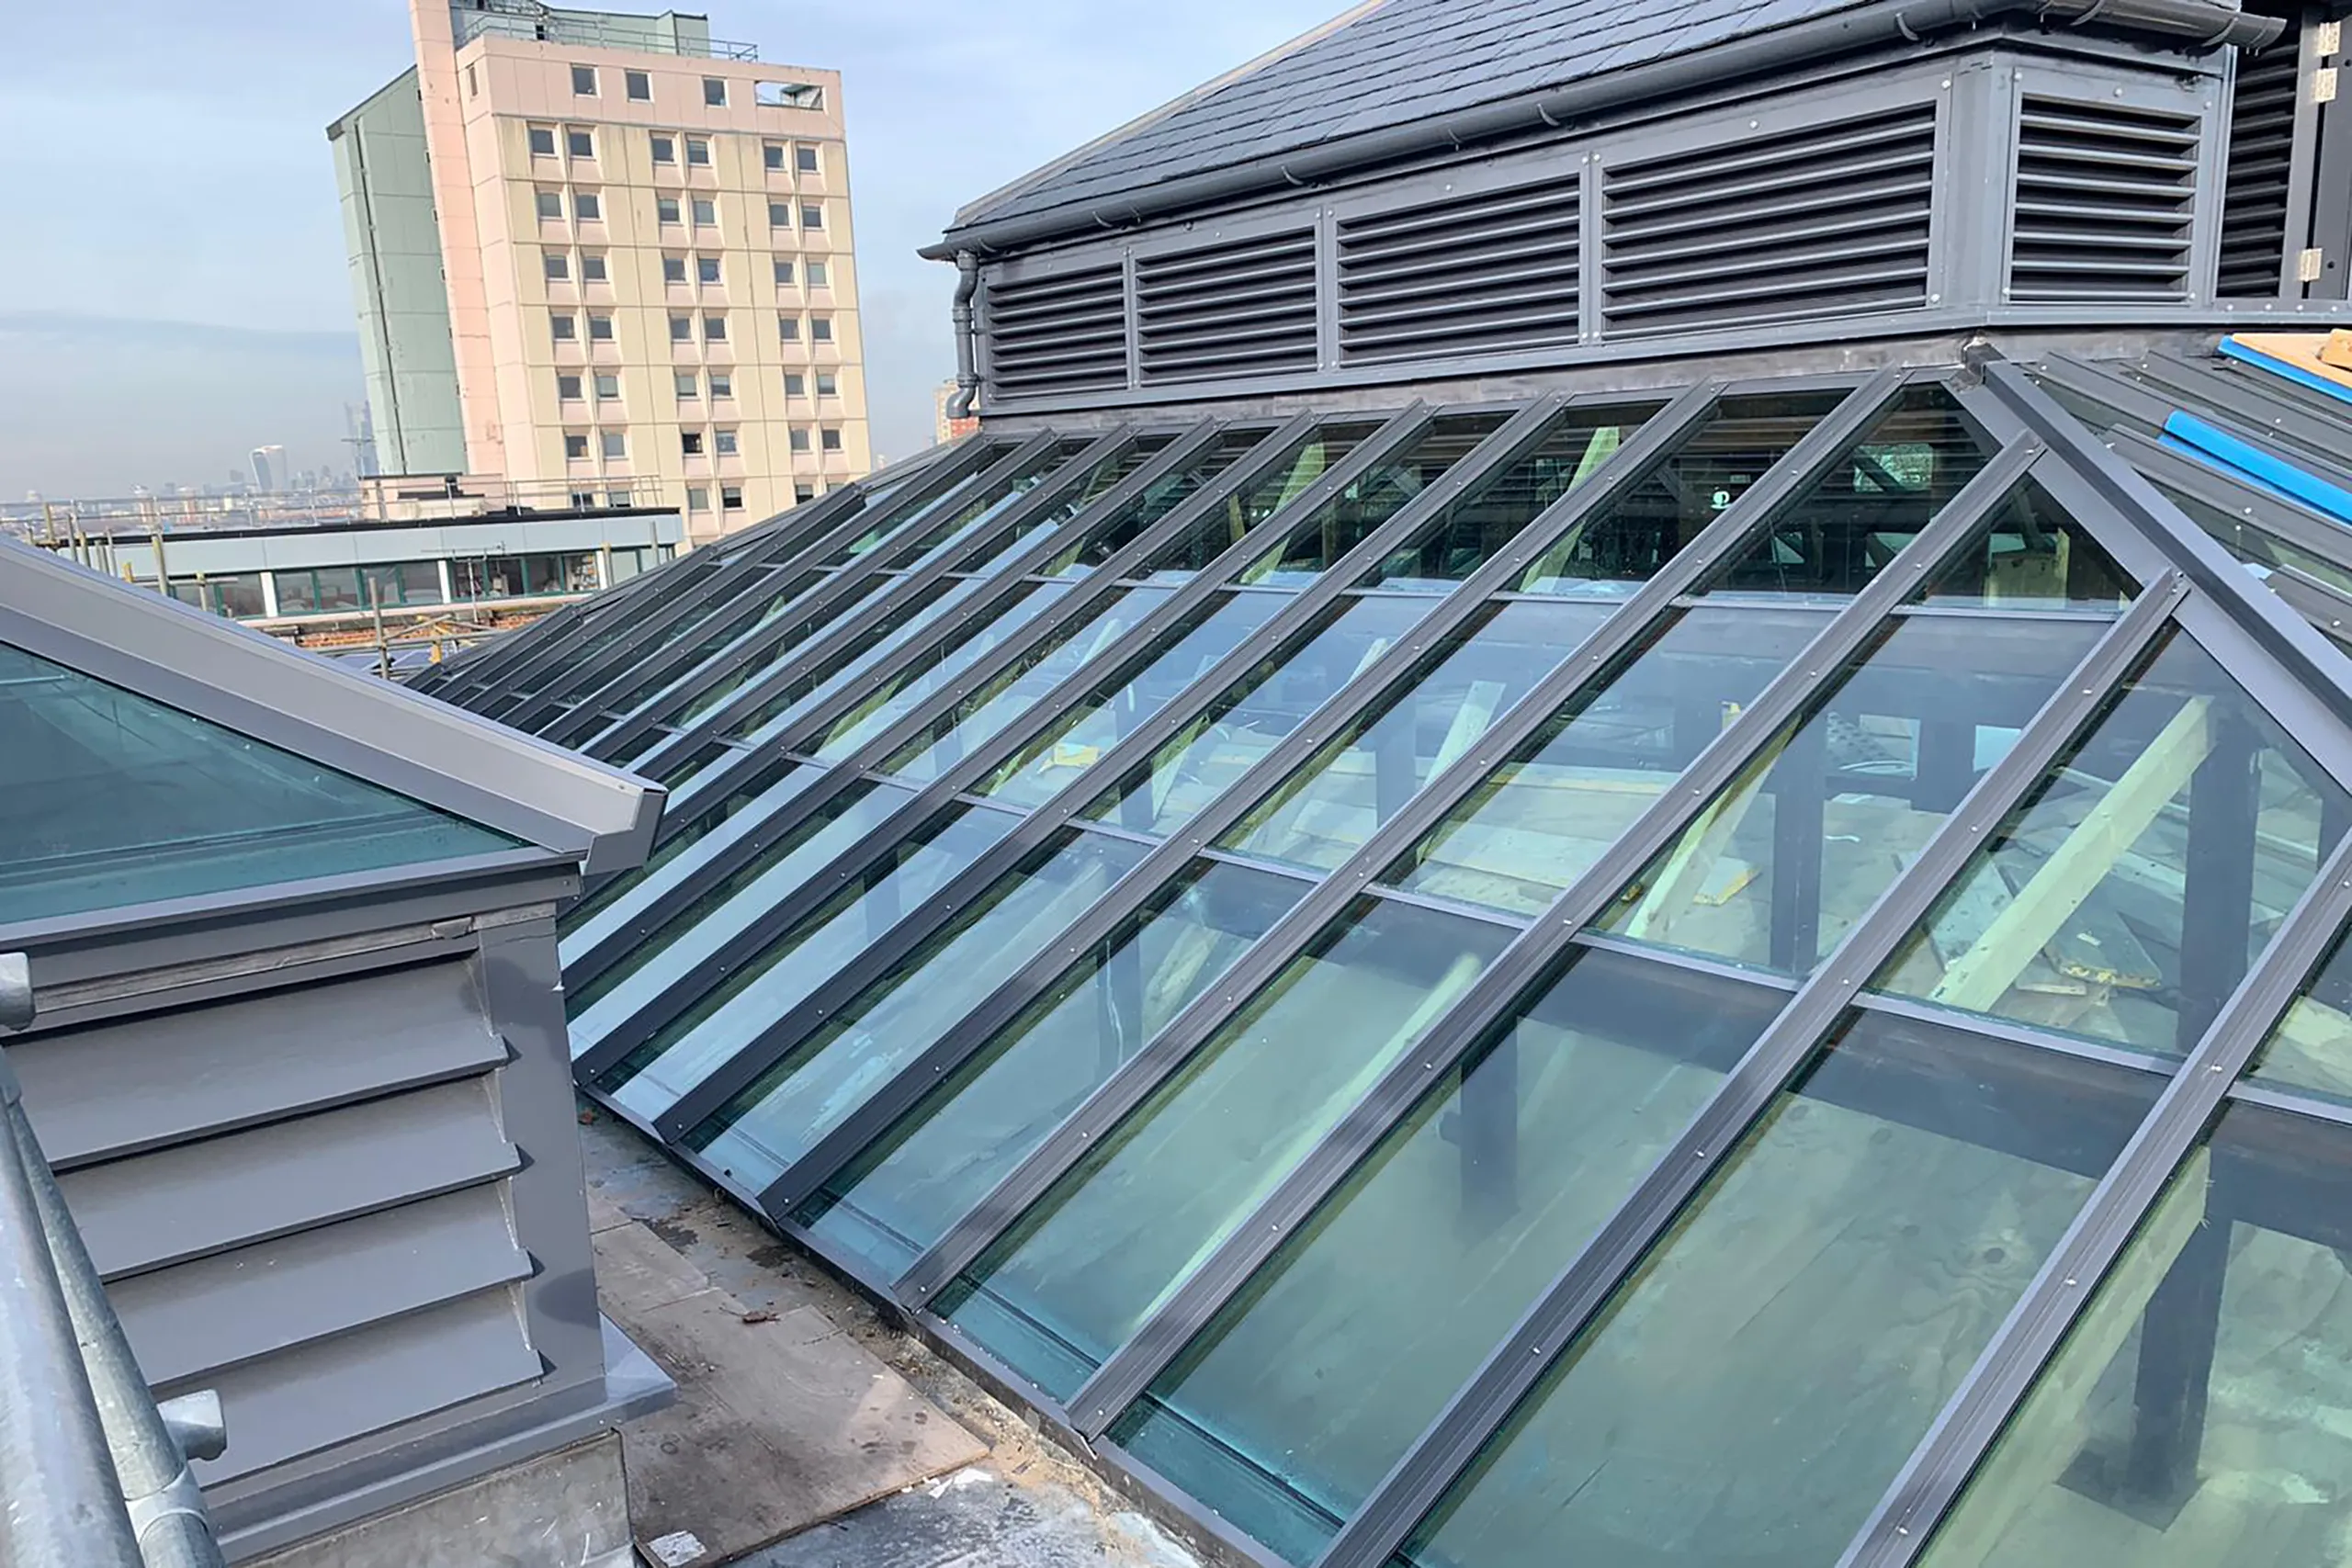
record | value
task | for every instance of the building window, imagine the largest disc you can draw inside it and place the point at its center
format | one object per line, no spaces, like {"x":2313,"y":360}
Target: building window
{"x":591,"y":267}
{"x":542,"y":140}
{"x":723,"y":384}
{"x":783,"y":273}
{"x":575,"y":443}
{"x":803,"y":492}
{"x":724,"y":442}
{"x":550,"y":203}
{"x":795,"y":384}
{"x":673,"y":269}
{"x":665,"y":208}
{"x":772,"y":153}
{"x":805,"y":157}
{"x":698,"y":498}
{"x":714,"y":329}
{"x":706,"y":212}
{"x":681,"y":329}
{"x":583,"y":81}
{"x":471,"y":85}
{"x":706,"y":268}
{"x":615,"y":444}
{"x":665,"y":148}
{"x":827,"y":385}
{"x":730,"y":497}
{"x":564,"y":328}
{"x":714,"y":92}
{"x":787,"y":329}
{"x":687,"y":384}
{"x":587,"y":205}
{"x":608,"y":388}
{"x":697,"y":151}
{"x":829,"y":438}
{"x":581,"y":142}
{"x":820,"y":329}
{"x":567,"y":388}
{"x":638,"y":86}
{"x":600,"y":329}
{"x":812,"y":217}
{"x":690,"y":442}
{"x":798,"y":440}
{"x":788,"y":95}
{"x":558,"y":265}
{"x":819,"y":275}
{"x":779,"y":215}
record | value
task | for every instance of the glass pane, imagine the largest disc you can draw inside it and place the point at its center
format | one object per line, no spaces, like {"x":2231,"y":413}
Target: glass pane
{"x":1078,"y":740}
{"x":2245,"y":538}
{"x":1249,"y":718}
{"x":1315,"y":542}
{"x":1086,"y":1264}
{"x":662,"y":957}
{"x":1327,"y":812}
{"x":112,"y":799}
{"x":905,"y":622}
{"x":1778,"y":866}
{"x":905,"y":1190}
{"x":1710,"y":470}
{"x":1161,"y":497}
{"x":683,"y":1052}
{"x":619,"y":902}
{"x":2194,"y":1416}
{"x":1232,"y":519}
{"x":1546,"y":815}
{"x":2125,"y":897}
{"x":1106,"y":477}
{"x":2311,"y":1050}
{"x":2035,"y":557}
{"x":963,"y":511}
{"x":1008,"y":694}
{"x":939,"y":664}
{"x":1449,"y":1231}
{"x":781,"y":649}
{"x":1859,"y":513}
{"x":803,"y":1097}
{"x":1750,"y":1391}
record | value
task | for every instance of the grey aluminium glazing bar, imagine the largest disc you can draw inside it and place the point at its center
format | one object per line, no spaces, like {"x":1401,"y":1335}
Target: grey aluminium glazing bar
{"x":1965,"y":1429}
{"x":1521,"y":433}
{"x":1165,"y":1052}
{"x":1478,"y":1409}
{"x":1131,"y":1369}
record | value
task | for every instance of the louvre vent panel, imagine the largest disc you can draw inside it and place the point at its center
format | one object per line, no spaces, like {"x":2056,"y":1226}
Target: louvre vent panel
{"x":1500,"y":270}
{"x":1821,"y":221}
{"x":2254,"y":189}
{"x":2105,"y":197}
{"x":1243,"y":309}
{"x":1066,"y":333}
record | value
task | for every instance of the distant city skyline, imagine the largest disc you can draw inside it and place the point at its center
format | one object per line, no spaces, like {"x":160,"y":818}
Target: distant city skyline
{"x":129,"y":372}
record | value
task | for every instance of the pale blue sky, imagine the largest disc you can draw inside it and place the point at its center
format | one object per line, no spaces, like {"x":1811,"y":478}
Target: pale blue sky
{"x":166,"y":160}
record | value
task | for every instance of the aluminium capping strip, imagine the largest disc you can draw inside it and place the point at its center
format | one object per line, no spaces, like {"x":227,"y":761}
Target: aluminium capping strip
{"x":1297,"y":617}
{"x":1131,"y":1369}
{"x":2264,"y":511}
{"x":2267,"y":408}
{"x":1480,"y":1408}
{"x":1633,"y":621}
{"x":972,"y":555}
{"x":1392,"y":674}
{"x":1972,"y":1419}
{"x":1088,"y":594}
{"x":741,"y":586}
{"x":660,"y":896}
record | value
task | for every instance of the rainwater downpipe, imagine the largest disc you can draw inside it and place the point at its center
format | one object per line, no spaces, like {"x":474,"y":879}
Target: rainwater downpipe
{"x":967,"y":369}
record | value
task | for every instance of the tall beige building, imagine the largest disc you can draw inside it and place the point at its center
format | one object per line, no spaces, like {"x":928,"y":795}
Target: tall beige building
{"x":606,"y":253}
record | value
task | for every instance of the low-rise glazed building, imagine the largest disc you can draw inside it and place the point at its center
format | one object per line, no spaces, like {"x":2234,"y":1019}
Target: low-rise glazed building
{"x":588,"y":247}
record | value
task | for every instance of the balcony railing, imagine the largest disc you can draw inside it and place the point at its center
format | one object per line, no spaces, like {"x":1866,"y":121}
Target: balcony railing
{"x":523,"y":19}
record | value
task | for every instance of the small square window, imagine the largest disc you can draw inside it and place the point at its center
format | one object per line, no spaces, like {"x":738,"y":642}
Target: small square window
{"x":772,"y":153}
{"x":587,"y":205}
{"x":730,"y":497}
{"x":697,"y":150}
{"x":724,"y":441}
{"x":820,"y":329}
{"x":812,"y":217}
{"x":471,"y":85}
{"x":827,"y":385}
{"x":581,"y":142}
{"x":673,"y":269}
{"x":607,"y":389}
{"x":575,"y":446}
{"x":615,"y":444}
{"x":714,"y":92}
{"x":798,"y":440}
{"x":681,"y":329}
{"x":829,"y":439}
{"x":803,"y":492}
{"x":721,"y":384}
{"x":567,"y":388}
{"x":779,"y":215}
{"x":564,"y":328}
{"x":543,"y":141}
{"x":690,"y":442}
{"x":804,"y":158}
{"x":714,"y":329}
{"x":549,"y":202}
{"x":665,"y":148}
{"x":665,"y":208}
{"x":583,"y":81}
{"x":591,"y":267}
{"x":600,"y":328}
{"x":559,"y":267}
{"x":819,"y":275}
{"x":706,"y":212}
{"x":789,"y":95}
{"x":698,"y":498}
{"x":706,"y":268}
{"x":783,"y":273}
{"x":687,"y":384}
{"x":787,"y":329}
{"x":639,"y":86}
{"x":795,"y":384}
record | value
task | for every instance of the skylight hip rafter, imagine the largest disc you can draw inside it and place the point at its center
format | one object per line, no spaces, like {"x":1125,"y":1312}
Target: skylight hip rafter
{"x":1479,"y":1410}
{"x":1195,"y":1303}
{"x":1165,"y":1052}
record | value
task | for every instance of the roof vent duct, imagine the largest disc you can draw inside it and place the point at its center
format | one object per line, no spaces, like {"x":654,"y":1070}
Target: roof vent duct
{"x":1245,"y":307}
{"x":1061,"y":333}
{"x":2105,"y":198}
{"x":1495,"y":271}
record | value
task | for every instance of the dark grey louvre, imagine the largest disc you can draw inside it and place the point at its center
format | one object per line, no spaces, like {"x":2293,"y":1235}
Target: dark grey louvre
{"x":2255,"y":191}
{"x":1242,"y":308}
{"x":1498,"y":270}
{"x":1063,"y":334}
{"x":1828,"y":220}
{"x":2104,"y":201}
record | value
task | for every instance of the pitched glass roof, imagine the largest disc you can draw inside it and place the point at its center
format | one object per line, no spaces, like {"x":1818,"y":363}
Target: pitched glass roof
{"x":1588,"y":974}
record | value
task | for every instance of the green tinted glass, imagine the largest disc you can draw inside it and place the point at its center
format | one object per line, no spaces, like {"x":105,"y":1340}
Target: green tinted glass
{"x":1344,"y":521}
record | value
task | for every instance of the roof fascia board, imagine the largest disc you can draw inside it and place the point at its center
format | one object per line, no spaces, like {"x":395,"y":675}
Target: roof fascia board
{"x":373,"y":729}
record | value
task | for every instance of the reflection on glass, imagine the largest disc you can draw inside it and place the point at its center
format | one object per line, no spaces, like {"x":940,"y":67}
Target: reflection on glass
{"x":906,"y":1189}
{"x":1779,"y":865}
{"x":1315,"y":542}
{"x":1078,"y":740}
{"x":612,"y":907}
{"x":2035,"y":556}
{"x":2245,"y":539}
{"x":1086,"y":1264}
{"x":780,"y":650}
{"x":1252,"y":716}
{"x":905,"y":621}
{"x":1231,"y":519}
{"x":1547,"y":813}
{"x":941,"y":663}
{"x":1752,"y":1389}
{"x":1682,"y":495}
{"x":964,"y":510}
{"x":114,"y":799}
{"x":834,"y":1071}
{"x":1106,"y":477}
{"x":730,"y":1016}
{"x":2124,"y":898}
{"x":1009,"y":693}
{"x":1451,"y":1228}
{"x":2194,"y":1415}
{"x":1162,"y":496}
{"x":2311,"y":1050}
{"x":1326,"y":812}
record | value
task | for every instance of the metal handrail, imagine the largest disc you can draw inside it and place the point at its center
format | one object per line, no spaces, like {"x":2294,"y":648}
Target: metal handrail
{"x":95,"y":1473}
